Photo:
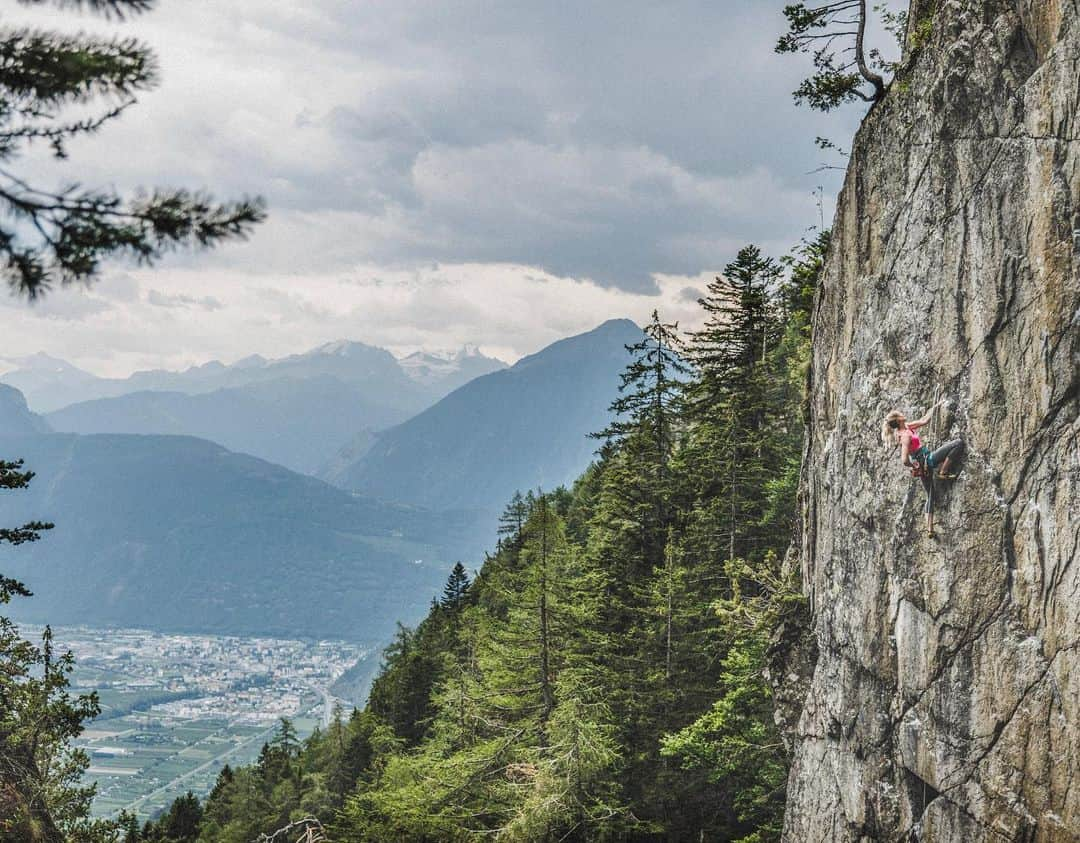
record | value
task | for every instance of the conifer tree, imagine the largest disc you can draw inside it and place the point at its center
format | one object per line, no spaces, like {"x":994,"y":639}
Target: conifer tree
{"x":741,"y":327}
{"x":731,"y":401}
{"x":49,"y":84}
{"x":513,"y":518}
{"x":41,"y":795}
{"x":128,"y":825}
{"x":636,"y":506}
{"x":457,"y":586}
{"x":401,"y":694}
{"x":533,"y":644}
{"x":181,"y":823}
{"x":639,"y":442}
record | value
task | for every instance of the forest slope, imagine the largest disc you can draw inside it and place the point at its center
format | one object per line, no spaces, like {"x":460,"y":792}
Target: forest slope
{"x":176,"y":533}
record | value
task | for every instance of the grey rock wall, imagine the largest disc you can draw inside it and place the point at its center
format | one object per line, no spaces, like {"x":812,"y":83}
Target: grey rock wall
{"x":945,"y":700}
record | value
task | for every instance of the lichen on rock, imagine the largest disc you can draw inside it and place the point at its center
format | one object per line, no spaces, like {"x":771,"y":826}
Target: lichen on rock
{"x":944,"y":704}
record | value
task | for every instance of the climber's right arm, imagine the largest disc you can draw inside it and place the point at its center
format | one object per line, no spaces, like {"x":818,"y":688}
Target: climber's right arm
{"x":925,"y":420}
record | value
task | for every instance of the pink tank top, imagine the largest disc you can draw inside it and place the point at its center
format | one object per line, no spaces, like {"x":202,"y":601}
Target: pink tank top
{"x":914,"y":443}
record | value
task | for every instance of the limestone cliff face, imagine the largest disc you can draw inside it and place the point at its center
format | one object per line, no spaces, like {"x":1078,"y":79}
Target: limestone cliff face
{"x":945,"y":700}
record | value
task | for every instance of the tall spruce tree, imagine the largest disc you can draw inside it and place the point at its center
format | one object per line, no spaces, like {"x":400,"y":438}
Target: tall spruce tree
{"x":639,"y":442}
{"x":636,"y":508}
{"x":456,"y":588}
{"x":730,"y":403}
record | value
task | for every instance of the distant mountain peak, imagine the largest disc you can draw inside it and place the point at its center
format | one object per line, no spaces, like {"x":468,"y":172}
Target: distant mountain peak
{"x":428,"y":367}
{"x":340,"y":347}
{"x":15,"y":416}
{"x":42,"y":362}
{"x":619,"y":324}
{"x":518,"y":428}
{"x":252,"y":361}
{"x":343,"y":348}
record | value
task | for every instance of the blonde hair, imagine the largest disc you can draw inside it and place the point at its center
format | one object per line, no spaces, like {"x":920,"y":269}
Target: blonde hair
{"x":891,"y":425}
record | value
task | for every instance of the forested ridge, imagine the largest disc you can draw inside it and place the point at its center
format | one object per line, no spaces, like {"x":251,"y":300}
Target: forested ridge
{"x":603,"y":674}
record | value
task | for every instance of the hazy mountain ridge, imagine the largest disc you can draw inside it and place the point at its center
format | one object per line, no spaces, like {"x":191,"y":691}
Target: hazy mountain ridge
{"x":50,"y":383}
{"x":16,"y":419}
{"x":296,"y":422}
{"x":298,"y":411}
{"x":517,"y":428}
{"x":178,"y":533}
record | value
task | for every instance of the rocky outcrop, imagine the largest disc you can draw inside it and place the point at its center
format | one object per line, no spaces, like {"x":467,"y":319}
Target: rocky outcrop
{"x":944,"y":704}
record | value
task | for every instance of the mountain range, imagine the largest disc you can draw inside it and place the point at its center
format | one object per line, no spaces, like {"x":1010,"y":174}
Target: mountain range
{"x":414,"y":381}
{"x":298,"y":411}
{"x":175,"y":532}
{"x":515,"y":429}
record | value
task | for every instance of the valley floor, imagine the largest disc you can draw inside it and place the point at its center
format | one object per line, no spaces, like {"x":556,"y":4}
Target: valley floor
{"x":176,"y":708}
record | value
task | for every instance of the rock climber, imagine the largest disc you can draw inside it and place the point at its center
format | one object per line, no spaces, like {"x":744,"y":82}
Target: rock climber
{"x":929,"y":466}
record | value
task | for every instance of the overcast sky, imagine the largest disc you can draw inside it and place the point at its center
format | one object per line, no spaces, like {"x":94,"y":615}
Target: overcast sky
{"x":502,"y":173}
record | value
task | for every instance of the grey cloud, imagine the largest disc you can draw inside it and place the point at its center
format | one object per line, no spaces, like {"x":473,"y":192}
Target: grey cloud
{"x":609,"y":140}
{"x":73,"y":304}
{"x":180,"y":300}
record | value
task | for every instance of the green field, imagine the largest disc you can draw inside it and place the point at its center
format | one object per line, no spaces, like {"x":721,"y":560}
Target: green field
{"x":142,"y":764}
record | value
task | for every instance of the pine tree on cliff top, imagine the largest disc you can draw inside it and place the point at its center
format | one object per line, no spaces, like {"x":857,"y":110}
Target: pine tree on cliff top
{"x":841,"y":72}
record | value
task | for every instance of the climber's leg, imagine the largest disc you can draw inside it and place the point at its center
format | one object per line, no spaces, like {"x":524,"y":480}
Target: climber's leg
{"x":946,"y":458}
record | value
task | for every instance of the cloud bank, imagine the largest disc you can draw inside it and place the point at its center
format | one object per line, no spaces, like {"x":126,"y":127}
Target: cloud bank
{"x":595,"y":147}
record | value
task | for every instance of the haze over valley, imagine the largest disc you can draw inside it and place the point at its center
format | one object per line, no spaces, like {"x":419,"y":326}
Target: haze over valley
{"x":225,"y":499}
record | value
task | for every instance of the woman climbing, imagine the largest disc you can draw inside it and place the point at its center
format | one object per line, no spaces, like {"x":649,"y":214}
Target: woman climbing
{"x":929,"y":466}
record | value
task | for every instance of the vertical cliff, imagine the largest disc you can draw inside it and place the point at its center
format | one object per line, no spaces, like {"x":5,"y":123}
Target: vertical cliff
{"x":945,"y":700}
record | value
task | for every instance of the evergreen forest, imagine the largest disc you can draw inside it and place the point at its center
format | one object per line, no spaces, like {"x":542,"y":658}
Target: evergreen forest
{"x":603,"y":675}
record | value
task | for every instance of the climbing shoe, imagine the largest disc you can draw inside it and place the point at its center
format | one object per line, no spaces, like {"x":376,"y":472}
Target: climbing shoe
{"x":941,"y":475}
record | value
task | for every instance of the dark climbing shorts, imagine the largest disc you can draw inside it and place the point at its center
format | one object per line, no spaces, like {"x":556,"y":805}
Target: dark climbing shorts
{"x":952,"y":451}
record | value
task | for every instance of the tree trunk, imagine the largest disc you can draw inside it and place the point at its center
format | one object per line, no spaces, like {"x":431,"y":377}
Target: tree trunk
{"x":545,"y":644}
{"x":860,"y":55}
